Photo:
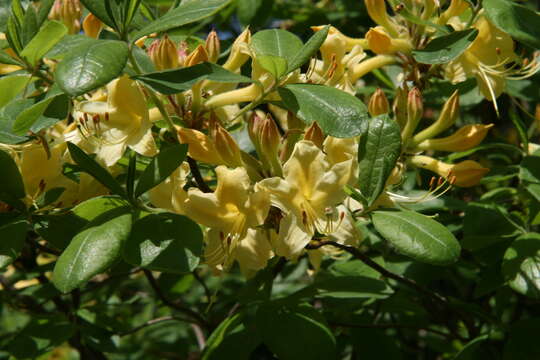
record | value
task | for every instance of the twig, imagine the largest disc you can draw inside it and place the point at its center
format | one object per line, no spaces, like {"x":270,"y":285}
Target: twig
{"x":197,"y":318}
{"x":201,"y":184}
{"x":199,"y":335}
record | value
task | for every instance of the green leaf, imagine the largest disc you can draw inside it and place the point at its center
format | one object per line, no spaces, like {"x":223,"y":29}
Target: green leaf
{"x":161,"y":167}
{"x":11,"y":86}
{"x":188,"y":12}
{"x":275,"y":65}
{"x":8,"y":115}
{"x":5,"y":58}
{"x":378,"y":151}
{"x":68,"y":44}
{"x":11,"y":182}
{"x":295,"y":333}
{"x":521,"y":264}
{"x":165,"y":242}
{"x":98,"y":8}
{"x":471,"y":351}
{"x":337,"y":113}
{"x":417,"y":236}
{"x":93,"y":250}
{"x":444,"y":49}
{"x":516,"y":20}
{"x":309,"y":49}
{"x":254,"y":13}
{"x":93,"y":168}
{"x":29,"y":116}
{"x":276,"y":42}
{"x":91,"y":66}
{"x":44,"y":40}
{"x":173,"y":81}
{"x":13,"y":236}
{"x":529,"y":170}
{"x":518,"y":344}
{"x":219,"y":334}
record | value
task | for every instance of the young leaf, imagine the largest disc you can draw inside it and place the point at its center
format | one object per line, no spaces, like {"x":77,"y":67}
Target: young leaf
{"x":13,"y":236}
{"x":93,"y":250}
{"x":93,"y":168}
{"x":44,"y":40}
{"x":309,"y":49}
{"x":188,"y":12}
{"x":165,"y":242}
{"x":378,"y":151}
{"x":445,"y":48}
{"x":275,"y":65}
{"x":520,"y":265}
{"x":173,"y":81}
{"x":11,"y":86}
{"x":161,"y":167}
{"x":276,"y":42}
{"x":417,"y":236}
{"x":337,"y":113}
{"x":91,"y":66}
{"x":516,"y":20}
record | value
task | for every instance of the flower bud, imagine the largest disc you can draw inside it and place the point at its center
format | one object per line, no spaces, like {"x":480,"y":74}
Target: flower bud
{"x":255,"y":122}
{"x":239,"y":52}
{"x":213,"y":46}
{"x":415,"y":110}
{"x":380,"y":42}
{"x":399,"y":107}
{"x":465,"y":138}
{"x":198,"y":56}
{"x":269,"y":137}
{"x":378,"y":103}
{"x":377,"y":12}
{"x":447,"y":118}
{"x":456,"y":8}
{"x":164,"y":54}
{"x":464,"y":174}
{"x":69,"y":12}
{"x":315,"y":135}
{"x":92,"y":26}
{"x":226,"y":147}
{"x":348,"y":41}
{"x":201,"y":147}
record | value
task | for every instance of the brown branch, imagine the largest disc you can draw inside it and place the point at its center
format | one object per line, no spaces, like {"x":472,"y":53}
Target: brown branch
{"x":201,"y":184}
{"x":196,"y":318}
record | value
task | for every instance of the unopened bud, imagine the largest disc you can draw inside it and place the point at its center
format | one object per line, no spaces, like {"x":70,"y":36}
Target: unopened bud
{"x":315,"y":135}
{"x":269,"y":136}
{"x":227,"y":148}
{"x":399,"y":106}
{"x":198,"y":56}
{"x":456,"y":8}
{"x":415,"y":110}
{"x":239,"y":52}
{"x":465,"y":138}
{"x":255,"y":122}
{"x":68,"y":12}
{"x":464,"y":174}
{"x":200,"y":146}
{"x":213,"y":47}
{"x":164,"y":54}
{"x":377,"y":12}
{"x":380,"y":42}
{"x":447,"y":118}
{"x":92,"y":26}
{"x":378,"y":103}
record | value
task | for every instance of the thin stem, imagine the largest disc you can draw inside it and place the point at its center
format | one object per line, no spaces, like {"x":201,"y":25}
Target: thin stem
{"x":201,"y":184}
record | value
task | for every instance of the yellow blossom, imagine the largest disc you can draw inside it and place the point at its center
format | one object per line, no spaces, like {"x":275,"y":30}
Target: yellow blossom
{"x":465,"y":174}
{"x":465,"y":138}
{"x":170,"y":194}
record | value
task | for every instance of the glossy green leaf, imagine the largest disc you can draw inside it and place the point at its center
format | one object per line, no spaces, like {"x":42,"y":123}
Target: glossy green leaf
{"x":417,"y":236}
{"x":44,"y":40}
{"x":93,"y":168}
{"x":276,"y":42}
{"x":173,"y":81}
{"x":8,"y":115}
{"x":444,"y":49}
{"x":93,"y":250}
{"x":91,"y":66}
{"x":67,"y":45}
{"x":295,"y":333}
{"x":11,"y":182}
{"x":29,"y":116}
{"x":337,"y":113}
{"x":518,"y":21}
{"x":219,"y":334}
{"x":521,"y":265}
{"x":5,"y":58}
{"x":13,"y":236}
{"x":161,"y":167}
{"x":188,"y":12}
{"x":275,"y":65}
{"x":98,"y":8}
{"x":309,"y":49}
{"x":11,"y":86}
{"x":165,"y":242}
{"x":378,"y":152}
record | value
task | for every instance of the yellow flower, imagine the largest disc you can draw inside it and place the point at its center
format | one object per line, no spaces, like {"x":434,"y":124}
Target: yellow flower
{"x":170,"y":194}
{"x":465,"y":174}
{"x":308,"y":194}
{"x":465,"y":138}
{"x":229,"y":211}
{"x":108,"y":128}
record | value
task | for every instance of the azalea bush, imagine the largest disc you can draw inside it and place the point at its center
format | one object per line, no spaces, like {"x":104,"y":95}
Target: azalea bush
{"x":252,"y":179}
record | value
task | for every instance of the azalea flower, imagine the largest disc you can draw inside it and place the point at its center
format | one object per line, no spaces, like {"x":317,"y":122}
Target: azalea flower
{"x":229,"y":212}
{"x":308,"y":194}
{"x":108,"y":128}
{"x":170,"y":194}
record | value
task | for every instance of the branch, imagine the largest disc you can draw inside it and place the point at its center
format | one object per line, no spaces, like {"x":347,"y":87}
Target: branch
{"x":196,"y":318}
{"x":201,"y":184}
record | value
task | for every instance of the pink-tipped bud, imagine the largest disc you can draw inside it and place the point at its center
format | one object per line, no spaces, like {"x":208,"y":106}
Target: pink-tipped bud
{"x":378,"y":103}
{"x":213,"y":46}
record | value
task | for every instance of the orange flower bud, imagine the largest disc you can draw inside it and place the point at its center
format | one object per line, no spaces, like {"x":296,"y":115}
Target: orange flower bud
{"x":227,"y":148}
{"x":201,"y":147}
{"x":399,"y":107}
{"x":164,"y":54}
{"x":315,"y":135}
{"x":380,"y":42}
{"x":213,"y":46}
{"x":378,"y":103}
{"x":198,"y":56}
{"x":92,"y":26}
